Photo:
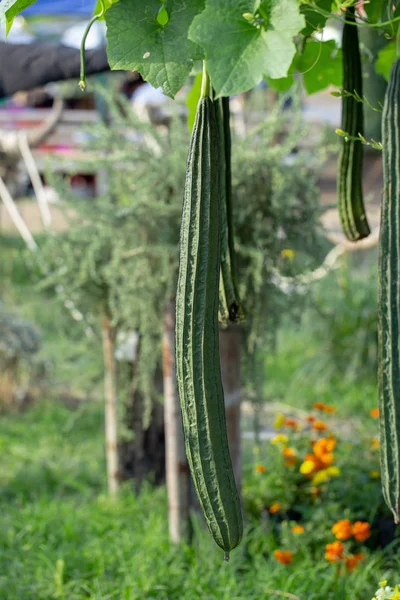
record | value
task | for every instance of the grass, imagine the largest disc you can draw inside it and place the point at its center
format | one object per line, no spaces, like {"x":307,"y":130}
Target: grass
{"x":62,"y":537}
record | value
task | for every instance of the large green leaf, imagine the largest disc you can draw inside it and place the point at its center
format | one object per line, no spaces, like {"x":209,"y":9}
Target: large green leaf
{"x":386,"y":58}
{"x":9,"y":9}
{"x":321,"y":65}
{"x":242,"y":45}
{"x":162,"y":53}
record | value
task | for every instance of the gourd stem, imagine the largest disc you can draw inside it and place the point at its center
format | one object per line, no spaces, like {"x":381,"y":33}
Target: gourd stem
{"x":82,"y":82}
{"x":205,"y":83}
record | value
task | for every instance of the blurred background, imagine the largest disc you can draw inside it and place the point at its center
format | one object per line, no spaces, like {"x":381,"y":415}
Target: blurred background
{"x":91,"y":190}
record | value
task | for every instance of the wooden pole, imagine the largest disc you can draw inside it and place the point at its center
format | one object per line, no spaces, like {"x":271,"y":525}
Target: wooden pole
{"x":229,"y":349}
{"x":177,"y":469}
{"x":110,"y":413}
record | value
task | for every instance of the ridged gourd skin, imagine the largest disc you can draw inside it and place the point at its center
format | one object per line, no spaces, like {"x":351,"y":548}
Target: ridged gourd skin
{"x":197,"y":343}
{"x":350,"y":172}
{"x":231,"y":309}
{"x":389,"y":297}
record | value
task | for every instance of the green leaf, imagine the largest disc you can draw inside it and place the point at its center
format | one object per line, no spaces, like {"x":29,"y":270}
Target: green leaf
{"x":9,"y":9}
{"x":107,"y":4}
{"x":162,"y":54}
{"x":386,"y":58}
{"x":281,"y":85}
{"x":239,"y":51}
{"x":193,"y":98}
{"x":314,"y":20}
{"x":321,"y":65}
{"x":374,"y":10}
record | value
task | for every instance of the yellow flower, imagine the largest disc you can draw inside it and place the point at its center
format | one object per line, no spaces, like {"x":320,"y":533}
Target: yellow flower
{"x":279,"y":421}
{"x":320,"y":477}
{"x":288,"y":253}
{"x":333,"y":471}
{"x":307,"y":467}
{"x":374,"y":474}
{"x":280,"y":439}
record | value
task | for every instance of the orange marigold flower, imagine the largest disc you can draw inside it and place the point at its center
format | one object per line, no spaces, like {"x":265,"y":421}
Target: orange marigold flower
{"x":319,"y":426}
{"x":374,"y":413}
{"x":310,"y":419}
{"x":334,"y":551}
{"x":289,"y":422}
{"x":288,"y":452}
{"x":375,"y":444}
{"x":329,"y":409}
{"x":274,"y":508}
{"x":283,"y":556}
{"x":324,"y":446}
{"x":260,"y":468}
{"x":353,"y":560}
{"x":298,"y":529}
{"x":290,"y":462}
{"x":342,"y":530}
{"x":361,"y":531}
{"x":319,"y":405}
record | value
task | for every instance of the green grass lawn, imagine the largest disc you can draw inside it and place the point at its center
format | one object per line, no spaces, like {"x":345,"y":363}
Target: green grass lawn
{"x":61,"y":537}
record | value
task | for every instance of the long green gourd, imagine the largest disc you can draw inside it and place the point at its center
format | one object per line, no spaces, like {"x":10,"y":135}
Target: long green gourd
{"x":350,"y":194}
{"x":389,"y":297}
{"x":231,"y":309}
{"x":197,"y":347}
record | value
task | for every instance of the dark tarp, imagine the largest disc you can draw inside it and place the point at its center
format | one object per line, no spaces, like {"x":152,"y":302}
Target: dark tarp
{"x":26,"y":66}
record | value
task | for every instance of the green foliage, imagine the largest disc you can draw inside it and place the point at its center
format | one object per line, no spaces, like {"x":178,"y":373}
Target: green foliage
{"x":121,"y":253}
{"x":321,"y":65}
{"x":18,"y":338}
{"x":103,"y":3}
{"x":345,"y":324}
{"x":70,"y":356}
{"x":275,"y":208}
{"x":385,"y":59}
{"x":242,"y":41}
{"x":251,"y":45}
{"x":9,"y":9}
{"x":162,"y":54}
